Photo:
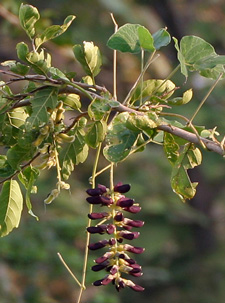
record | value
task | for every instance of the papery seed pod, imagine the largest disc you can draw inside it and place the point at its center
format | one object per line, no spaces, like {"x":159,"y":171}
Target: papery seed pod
{"x":66,"y":138}
{"x":95,"y":216}
{"x":121,"y":188}
{"x":125,"y":202}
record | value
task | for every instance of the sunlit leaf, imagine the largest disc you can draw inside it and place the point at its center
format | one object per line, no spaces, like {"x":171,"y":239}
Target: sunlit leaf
{"x":171,"y":148}
{"x":98,"y":108}
{"x":16,"y":155}
{"x":145,"y":39}
{"x":16,"y":67}
{"x":119,"y":139}
{"x":71,"y":100}
{"x":5,"y":169}
{"x":11,"y":204}
{"x":96,"y":133}
{"x":43,"y":99}
{"x":28,"y":16}
{"x":53,"y":31}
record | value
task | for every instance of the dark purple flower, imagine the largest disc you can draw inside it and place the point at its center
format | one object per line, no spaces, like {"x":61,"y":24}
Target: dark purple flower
{"x":94,"y":191}
{"x":133,"y":209}
{"x":99,"y":267}
{"x":98,"y":245}
{"x":98,"y":282}
{"x":114,"y":269}
{"x":129,"y":235}
{"x":125,"y":202}
{"x":119,"y":217}
{"x":99,"y":229}
{"x":103,"y":188}
{"x":107,"y":279}
{"x":112,"y":241}
{"x":106,"y":200}
{"x":105,"y":257}
{"x":121,"y":188}
{"x":133,"y":249}
{"x":120,"y":284}
{"x":133,"y":223}
{"x":135,"y":286}
{"x":95,"y":216}
{"x":94,"y":200}
{"x":110,"y":229}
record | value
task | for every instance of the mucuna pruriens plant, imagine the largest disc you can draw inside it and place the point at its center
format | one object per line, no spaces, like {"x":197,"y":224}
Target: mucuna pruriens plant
{"x":116,"y":261}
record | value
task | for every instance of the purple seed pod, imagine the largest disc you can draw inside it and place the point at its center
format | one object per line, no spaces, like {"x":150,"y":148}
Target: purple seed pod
{"x":99,"y":229}
{"x":133,"y":209}
{"x":94,"y":191}
{"x":133,"y":249}
{"x":125,"y":202}
{"x":98,"y":245}
{"x":133,"y":223}
{"x":119,"y":217}
{"x":121,"y":188}
{"x":129,"y":235}
{"x":95,"y":216}
{"x":94,"y":200}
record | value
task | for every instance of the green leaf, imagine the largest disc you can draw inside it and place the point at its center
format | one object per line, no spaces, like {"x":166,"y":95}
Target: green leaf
{"x":16,"y":155}
{"x":143,"y":123}
{"x":16,"y":67}
{"x":71,"y":100}
{"x":11,"y":204}
{"x":98,"y":108}
{"x":43,"y":99}
{"x":171,"y":148}
{"x":22,"y":51}
{"x":17,"y":117}
{"x":28,"y":178}
{"x":145,"y":39}
{"x":96,"y":133}
{"x":53,"y":31}
{"x":89,"y":57}
{"x":119,"y":139}
{"x":126,"y":39}
{"x":57,"y":74}
{"x":74,"y":153}
{"x":187,"y":96}
{"x":195,"y":54}
{"x":180,"y":181}
{"x":161,"y":38}
{"x":40,"y":62}
{"x":28,"y":16}
{"x":5,"y":169}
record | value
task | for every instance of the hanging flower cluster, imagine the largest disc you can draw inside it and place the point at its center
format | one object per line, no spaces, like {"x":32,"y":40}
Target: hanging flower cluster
{"x":116,"y":260}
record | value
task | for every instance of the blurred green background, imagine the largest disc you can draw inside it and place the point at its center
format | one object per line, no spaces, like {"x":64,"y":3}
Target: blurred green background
{"x":184,"y":260}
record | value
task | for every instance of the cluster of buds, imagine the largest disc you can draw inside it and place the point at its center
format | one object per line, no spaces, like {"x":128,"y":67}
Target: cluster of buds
{"x":116,"y":261}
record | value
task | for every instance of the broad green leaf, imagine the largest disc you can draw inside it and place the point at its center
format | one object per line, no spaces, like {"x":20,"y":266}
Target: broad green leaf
{"x":145,"y":39}
{"x":17,"y":117}
{"x":53,"y":31}
{"x":40,"y":62}
{"x":181,"y":58}
{"x":28,"y":178}
{"x":74,"y":153}
{"x":11,"y":204}
{"x":71,"y":100}
{"x":180,"y":181}
{"x":187,"y":96}
{"x":143,"y":123}
{"x":57,"y":73}
{"x":89,"y":57}
{"x":96,"y":133}
{"x":5,"y":169}
{"x":126,"y":39}
{"x":171,"y":148}
{"x":43,"y":99}
{"x":16,"y":155}
{"x":98,"y":108}
{"x":16,"y":67}
{"x":119,"y":139}
{"x":28,"y":16}
{"x":195,"y":54}
{"x":22,"y":51}
{"x":161,"y":38}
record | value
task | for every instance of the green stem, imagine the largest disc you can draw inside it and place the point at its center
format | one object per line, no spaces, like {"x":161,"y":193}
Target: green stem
{"x":206,"y":97}
{"x":88,"y":225}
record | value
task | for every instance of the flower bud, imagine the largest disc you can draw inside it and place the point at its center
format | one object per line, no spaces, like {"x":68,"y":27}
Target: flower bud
{"x":121,"y":188}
